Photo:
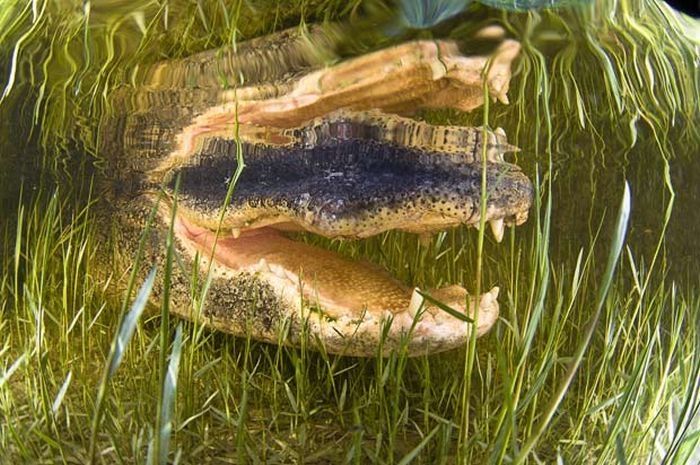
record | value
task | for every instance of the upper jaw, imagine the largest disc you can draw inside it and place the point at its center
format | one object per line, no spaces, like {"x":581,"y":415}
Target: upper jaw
{"x":354,"y":175}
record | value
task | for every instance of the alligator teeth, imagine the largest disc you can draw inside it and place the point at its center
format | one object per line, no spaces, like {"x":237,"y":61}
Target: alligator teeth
{"x":497,"y":228}
{"x":280,"y":272}
{"x":494,"y":155}
{"x":262,"y":266}
{"x":290,"y":275}
{"x":424,"y":239}
{"x":490,"y":297}
{"x":235,"y":232}
{"x":416,"y":302}
{"x":491,"y":32}
{"x":438,"y":70}
{"x":500,"y":131}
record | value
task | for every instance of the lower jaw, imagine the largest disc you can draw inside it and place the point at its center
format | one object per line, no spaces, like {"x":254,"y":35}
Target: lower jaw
{"x":345,"y":304}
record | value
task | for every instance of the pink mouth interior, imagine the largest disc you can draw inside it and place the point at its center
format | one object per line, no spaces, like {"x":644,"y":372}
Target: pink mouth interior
{"x":355,"y":295}
{"x":342,"y":286}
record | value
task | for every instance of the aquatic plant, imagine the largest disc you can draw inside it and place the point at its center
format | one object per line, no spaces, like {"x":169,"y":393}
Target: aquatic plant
{"x":597,"y":87}
{"x":423,"y":14}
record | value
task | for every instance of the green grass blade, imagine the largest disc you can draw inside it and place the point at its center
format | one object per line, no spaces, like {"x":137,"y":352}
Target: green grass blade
{"x":116,"y":354}
{"x":164,"y":337}
{"x":446,"y":308}
{"x":169,"y":396}
{"x":61,"y":393}
{"x":128,"y":326}
{"x":10,"y":371}
{"x":613,"y":258}
{"x":411,"y":456}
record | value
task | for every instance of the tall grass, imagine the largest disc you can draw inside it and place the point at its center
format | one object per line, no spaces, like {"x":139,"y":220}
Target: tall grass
{"x":633,"y":398}
{"x":545,"y":385}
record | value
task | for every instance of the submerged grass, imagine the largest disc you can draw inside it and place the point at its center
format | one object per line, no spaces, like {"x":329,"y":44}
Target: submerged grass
{"x":633,"y":399}
{"x":83,"y":380}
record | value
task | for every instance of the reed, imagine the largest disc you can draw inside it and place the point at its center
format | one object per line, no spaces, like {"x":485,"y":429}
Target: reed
{"x":596,"y":358}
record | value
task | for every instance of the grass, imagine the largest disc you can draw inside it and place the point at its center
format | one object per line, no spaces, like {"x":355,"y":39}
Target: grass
{"x":633,"y":397}
{"x":596,"y":358}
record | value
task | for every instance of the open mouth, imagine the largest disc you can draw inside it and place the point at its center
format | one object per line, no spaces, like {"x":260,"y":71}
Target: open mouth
{"x":326,"y":153}
{"x":346,"y":177}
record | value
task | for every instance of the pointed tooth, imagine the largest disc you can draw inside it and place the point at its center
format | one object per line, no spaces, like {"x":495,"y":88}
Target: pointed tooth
{"x":262,"y":265}
{"x":491,"y":32}
{"x":290,"y":275}
{"x":491,"y":155}
{"x":438,"y":70}
{"x":495,"y":155}
{"x":477,"y":225}
{"x":500,"y":131}
{"x":497,"y":228}
{"x":489,"y":298}
{"x":488,"y":311}
{"x":416,"y":302}
{"x":509,"y":148}
{"x":236,"y":233}
{"x":279,"y":271}
{"x":492,"y":294}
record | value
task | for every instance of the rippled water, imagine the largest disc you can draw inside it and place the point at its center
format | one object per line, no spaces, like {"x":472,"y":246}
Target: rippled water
{"x":54,"y":148}
{"x":588,"y":172}
{"x":586,"y":190}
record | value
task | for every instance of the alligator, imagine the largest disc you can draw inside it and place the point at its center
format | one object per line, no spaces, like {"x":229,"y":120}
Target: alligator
{"x":232,"y":152}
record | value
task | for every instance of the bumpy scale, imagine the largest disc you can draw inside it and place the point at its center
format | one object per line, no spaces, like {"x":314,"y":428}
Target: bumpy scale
{"x":327,"y":151}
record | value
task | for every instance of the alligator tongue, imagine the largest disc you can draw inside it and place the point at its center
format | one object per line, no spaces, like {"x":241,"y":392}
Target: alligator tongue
{"x":339,"y":283}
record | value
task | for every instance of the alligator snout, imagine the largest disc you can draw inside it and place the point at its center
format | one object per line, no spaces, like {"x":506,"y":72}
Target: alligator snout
{"x":328,"y":151}
{"x":351,"y":186}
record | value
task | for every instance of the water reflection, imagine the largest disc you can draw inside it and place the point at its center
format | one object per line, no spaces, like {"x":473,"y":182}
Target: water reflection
{"x":587,"y":187}
{"x":587,"y":175}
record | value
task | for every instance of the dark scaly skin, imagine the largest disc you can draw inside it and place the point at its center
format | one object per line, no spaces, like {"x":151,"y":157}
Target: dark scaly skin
{"x":142,"y":135}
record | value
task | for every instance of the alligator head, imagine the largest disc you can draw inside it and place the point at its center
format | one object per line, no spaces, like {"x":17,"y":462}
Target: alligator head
{"x":321,"y":150}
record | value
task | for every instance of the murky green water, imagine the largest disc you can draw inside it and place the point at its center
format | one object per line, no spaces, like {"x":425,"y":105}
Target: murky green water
{"x":588,"y":170}
{"x":52,"y":149}
{"x":588,"y":184}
